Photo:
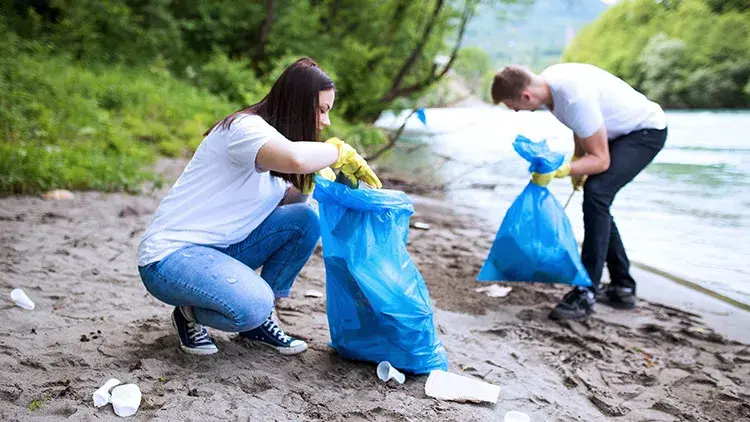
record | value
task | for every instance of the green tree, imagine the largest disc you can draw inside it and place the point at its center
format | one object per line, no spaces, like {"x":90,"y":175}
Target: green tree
{"x":472,"y":64}
{"x":686,"y":53}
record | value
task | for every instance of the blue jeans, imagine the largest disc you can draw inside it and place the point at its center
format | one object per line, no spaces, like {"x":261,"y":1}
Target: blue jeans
{"x":221,"y":284}
{"x":629,"y":155}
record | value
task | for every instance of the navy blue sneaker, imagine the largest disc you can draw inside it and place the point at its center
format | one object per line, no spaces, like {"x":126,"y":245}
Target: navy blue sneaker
{"x":617,"y":297}
{"x":193,"y":337}
{"x":271,"y":335}
{"x":577,"y":304}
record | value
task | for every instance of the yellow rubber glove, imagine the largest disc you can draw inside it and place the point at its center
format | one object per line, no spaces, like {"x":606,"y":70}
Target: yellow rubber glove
{"x":325,"y":173}
{"x":353,"y":165}
{"x":577,"y":181}
{"x":543,"y":179}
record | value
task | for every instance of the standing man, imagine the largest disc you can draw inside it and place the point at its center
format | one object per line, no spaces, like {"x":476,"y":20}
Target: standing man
{"x":617,"y":133}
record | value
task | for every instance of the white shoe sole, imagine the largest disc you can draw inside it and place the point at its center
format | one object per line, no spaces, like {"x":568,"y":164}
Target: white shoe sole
{"x":283,"y":350}
{"x":194,"y":351}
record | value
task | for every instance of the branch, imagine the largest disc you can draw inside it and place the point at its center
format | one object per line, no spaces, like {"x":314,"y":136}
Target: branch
{"x":415,"y":53}
{"x":391,"y":140}
{"x":434,"y":77}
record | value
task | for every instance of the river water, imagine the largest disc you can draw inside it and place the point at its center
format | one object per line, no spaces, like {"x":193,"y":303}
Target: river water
{"x":687,"y":214}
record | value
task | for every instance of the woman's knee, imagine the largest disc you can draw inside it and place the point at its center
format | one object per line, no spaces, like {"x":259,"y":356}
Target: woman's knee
{"x":254,"y":311}
{"x":307,"y":219}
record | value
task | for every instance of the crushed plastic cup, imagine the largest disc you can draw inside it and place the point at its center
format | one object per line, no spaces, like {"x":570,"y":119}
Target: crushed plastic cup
{"x":493,"y":290}
{"x":126,"y":399}
{"x":386,"y":373}
{"x":19,"y":297}
{"x":516,"y":416}
{"x":446,"y":386}
{"x":102,"y":396}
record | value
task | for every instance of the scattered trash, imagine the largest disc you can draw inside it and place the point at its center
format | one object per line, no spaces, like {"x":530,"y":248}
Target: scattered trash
{"x":515,"y":416}
{"x":58,"y":194}
{"x":126,"y":399}
{"x":494,"y":290}
{"x":313,"y":293}
{"x":446,"y":386}
{"x":421,"y":226}
{"x":19,"y":297}
{"x":386,"y":373}
{"x":102,"y":396}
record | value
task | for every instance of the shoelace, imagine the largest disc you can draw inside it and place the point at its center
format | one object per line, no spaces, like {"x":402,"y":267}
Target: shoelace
{"x":197,"y":334}
{"x":276,"y":331}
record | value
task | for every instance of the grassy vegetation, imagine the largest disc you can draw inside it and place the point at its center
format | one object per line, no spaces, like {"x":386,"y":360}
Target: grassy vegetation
{"x":65,"y":125}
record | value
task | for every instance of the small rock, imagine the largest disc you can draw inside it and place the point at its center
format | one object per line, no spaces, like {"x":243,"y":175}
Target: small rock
{"x":128,"y":211}
{"x":84,"y":338}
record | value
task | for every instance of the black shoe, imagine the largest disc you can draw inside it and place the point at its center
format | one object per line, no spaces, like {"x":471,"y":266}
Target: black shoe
{"x":617,"y":297}
{"x":271,"y":335}
{"x":577,"y":304}
{"x":193,"y":337}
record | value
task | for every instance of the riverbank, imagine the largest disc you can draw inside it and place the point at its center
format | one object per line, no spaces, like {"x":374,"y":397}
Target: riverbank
{"x":94,"y":320}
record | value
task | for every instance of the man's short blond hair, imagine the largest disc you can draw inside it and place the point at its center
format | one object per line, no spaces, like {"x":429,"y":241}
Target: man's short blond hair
{"x":509,"y":82}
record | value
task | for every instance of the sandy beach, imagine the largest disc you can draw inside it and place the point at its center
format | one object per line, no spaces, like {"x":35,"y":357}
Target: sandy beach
{"x":94,"y":320}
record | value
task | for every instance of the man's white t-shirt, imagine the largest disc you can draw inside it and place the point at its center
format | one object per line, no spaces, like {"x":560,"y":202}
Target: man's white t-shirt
{"x":221,"y":196}
{"x":585,"y":97}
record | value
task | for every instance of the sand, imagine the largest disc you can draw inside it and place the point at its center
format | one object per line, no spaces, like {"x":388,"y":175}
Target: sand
{"x":94,"y":320}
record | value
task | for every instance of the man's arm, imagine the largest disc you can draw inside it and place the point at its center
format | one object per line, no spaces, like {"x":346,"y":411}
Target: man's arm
{"x":595,"y":154}
{"x":578,"y":151}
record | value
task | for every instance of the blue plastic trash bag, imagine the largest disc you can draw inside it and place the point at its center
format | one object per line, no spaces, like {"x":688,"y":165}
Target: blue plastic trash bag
{"x":535,"y":241}
{"x":377,"y":302}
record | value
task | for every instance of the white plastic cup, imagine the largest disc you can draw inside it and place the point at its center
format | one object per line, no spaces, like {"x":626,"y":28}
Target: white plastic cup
{"x":19,"y":297}
{"x":386,"y":372}
{"x":126,"y":399}
{"x":102,"y":396}
{"x":515,"y":416}
{"x":447,"y":386}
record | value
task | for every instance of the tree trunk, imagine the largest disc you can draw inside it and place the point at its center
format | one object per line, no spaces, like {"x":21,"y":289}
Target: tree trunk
{"x":265,"y":29}
{"x":412,"y":59}
{"x":397,"y":91}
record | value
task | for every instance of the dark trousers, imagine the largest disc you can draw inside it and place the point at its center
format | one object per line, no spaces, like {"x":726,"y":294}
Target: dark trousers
{"x":629,"y":154}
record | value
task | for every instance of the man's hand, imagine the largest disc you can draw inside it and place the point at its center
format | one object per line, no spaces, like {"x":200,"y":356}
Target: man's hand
{"x":543,"y":179}
{"x":596,"y":158}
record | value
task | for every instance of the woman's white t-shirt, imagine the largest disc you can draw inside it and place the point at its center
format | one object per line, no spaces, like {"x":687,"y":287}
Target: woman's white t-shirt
{"x":221,"y":196}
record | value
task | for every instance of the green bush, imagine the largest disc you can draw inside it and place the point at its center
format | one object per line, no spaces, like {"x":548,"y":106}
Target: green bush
{"x":232,"y":79}
{"x":64,"y":125}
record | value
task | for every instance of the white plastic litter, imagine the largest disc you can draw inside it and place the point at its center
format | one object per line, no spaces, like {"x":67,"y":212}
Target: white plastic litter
{"x":313,"y":293}
{"x":494,"y":290}
{"x":421,"y":226}
{"x":446,"y":386}
{"x":386,"y":373}
{"x":19,"y":297}
{"x":102,"y":396}
{"x":126,"y":399}
{"x":58,"y":194}
{"x":515,"y":416}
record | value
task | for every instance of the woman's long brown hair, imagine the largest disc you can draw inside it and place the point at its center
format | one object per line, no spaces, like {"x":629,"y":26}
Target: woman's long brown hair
{"x":291,"y":107}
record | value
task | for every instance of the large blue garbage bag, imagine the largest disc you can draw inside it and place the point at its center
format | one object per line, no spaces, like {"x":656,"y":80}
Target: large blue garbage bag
{"x":535,"y":241}
{"x":377,"y":302}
